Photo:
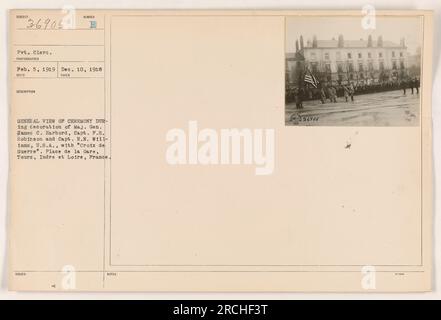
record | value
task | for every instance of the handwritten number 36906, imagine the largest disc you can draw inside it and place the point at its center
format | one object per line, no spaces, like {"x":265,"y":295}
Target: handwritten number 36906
{"x":44,"y":24}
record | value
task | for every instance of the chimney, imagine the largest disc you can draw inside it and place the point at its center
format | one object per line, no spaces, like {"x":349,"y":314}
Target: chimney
{"x":301,"y":42}
{"x":369,"y":43}
{"x":314,"y":41}
{"x":297,"y":45}
{"x":341,"y":41}
{"x":380,"y":41}
{"x":402,"y":42}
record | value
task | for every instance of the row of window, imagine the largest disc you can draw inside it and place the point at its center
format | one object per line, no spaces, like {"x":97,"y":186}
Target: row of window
{"x":370,"y":67}
{"x":349,"y":55}
{"x":351,"y":76}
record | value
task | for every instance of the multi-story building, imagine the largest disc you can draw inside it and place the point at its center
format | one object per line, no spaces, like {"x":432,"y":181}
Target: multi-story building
{"x":343,"y":61}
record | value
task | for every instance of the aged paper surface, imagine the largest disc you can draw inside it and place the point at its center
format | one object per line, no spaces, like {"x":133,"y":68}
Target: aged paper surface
{"x":220,"y":151}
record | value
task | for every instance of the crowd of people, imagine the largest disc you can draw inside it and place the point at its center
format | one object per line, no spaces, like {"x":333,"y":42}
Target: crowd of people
{"x":330,"y":92}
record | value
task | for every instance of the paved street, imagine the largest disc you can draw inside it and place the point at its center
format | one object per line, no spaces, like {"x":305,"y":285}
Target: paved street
{"x":390,"y":108}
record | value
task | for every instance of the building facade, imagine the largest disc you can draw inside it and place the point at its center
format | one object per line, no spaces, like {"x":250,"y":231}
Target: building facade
{"x":342,"y":61}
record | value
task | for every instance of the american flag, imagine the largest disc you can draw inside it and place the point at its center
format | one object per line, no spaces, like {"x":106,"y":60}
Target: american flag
{"x":309,"y":77}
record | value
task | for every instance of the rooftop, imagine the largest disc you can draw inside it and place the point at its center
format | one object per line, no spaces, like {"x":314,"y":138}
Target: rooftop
{"x":351,"y":44}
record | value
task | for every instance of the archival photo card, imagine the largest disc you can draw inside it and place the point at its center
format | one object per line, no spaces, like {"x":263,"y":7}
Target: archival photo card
{"x":153,"y":151}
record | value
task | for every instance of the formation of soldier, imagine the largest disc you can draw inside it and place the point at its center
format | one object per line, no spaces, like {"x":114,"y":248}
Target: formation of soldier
{"x":330,"y":92}
{"x":413,"y":84}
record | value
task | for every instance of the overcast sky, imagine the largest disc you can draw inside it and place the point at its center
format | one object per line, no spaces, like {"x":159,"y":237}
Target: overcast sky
{"x":326,"y":28}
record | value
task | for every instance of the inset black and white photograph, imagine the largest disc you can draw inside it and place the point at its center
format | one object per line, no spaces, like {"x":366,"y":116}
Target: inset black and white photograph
{"x":339,"y":72}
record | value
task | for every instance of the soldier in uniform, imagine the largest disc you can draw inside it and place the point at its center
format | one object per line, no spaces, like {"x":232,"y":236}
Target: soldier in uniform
{"x":417,"y":85}
{"x":351,"y":91}
{"x":322,"y":95}
{"x":346,"y":92}
{"x":299,"y":98}
{"x":332,"y":93}
{"x":404,"y":86}
{"x":412,"y":85}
